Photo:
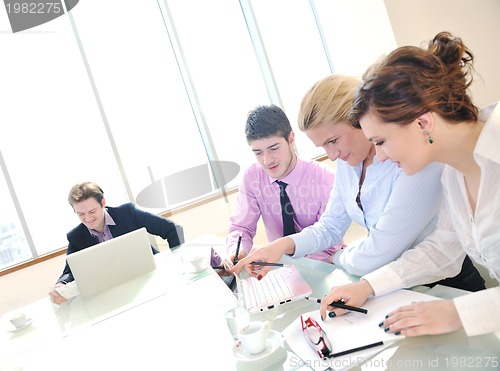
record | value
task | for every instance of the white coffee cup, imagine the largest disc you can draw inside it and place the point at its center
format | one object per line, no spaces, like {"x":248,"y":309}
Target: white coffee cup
{"x":195,"y":260}
{"x":19,"y":320}
{"x":254,"y":336}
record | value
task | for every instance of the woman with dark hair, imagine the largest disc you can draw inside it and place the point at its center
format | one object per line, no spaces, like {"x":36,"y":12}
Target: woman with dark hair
{"x":415,"y":108}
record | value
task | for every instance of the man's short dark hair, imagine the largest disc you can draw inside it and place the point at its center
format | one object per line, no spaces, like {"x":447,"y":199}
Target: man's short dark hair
{"x":267,"y":121}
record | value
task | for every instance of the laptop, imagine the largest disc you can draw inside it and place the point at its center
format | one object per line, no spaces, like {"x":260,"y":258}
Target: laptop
{"x":111,"y":263}
{"x":279,"y":286}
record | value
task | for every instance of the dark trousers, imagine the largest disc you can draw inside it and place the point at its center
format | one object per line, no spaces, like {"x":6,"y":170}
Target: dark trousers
{"x":468,"y":279}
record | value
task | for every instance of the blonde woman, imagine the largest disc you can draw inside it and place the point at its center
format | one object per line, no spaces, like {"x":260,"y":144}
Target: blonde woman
{"x":397,"y":210}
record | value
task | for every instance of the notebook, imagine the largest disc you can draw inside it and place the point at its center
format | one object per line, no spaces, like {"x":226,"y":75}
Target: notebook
{"x":279,"y":286}
{"x":111,"y":263}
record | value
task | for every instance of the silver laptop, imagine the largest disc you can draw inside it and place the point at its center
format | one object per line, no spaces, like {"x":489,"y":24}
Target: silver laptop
{"x":111,"y":263}
{"x":279,"y":286}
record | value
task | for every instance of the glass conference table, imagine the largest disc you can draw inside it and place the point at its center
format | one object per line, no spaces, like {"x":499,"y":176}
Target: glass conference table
{"x":172,"y":320}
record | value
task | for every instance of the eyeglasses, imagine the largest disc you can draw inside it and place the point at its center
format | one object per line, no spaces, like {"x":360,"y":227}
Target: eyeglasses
{"x":316,"y":337}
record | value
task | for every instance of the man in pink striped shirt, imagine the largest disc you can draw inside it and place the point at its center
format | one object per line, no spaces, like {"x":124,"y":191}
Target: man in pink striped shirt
{"x":308,"y":184}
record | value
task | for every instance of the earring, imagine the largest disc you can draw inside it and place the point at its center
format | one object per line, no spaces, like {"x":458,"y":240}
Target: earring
{"x":429,"y":138}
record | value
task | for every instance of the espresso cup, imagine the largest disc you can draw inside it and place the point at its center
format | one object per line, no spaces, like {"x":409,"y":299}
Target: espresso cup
{"x":195,"y":260}
{"x":254,"y":336}
{"x":19,"y":320}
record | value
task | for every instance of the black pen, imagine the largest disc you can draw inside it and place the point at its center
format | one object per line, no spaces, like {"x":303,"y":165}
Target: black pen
{"x":264,"y":264}
{"x":337,"y":304}
{"x":235,"y":260}
{"x":237,"y":250}
{"x":363,"y":347}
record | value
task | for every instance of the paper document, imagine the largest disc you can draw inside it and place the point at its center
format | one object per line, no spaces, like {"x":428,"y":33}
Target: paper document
{"x":351,"y":330}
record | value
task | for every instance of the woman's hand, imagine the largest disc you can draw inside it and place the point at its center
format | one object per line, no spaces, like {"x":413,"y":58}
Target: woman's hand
{"x":423,"y":318}
{"x":269,"y":253}
{"x":354,"y":294}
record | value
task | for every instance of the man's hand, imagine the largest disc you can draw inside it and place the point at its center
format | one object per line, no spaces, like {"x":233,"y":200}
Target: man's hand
{"x":228,"y":263}
{"x":55,"y":296}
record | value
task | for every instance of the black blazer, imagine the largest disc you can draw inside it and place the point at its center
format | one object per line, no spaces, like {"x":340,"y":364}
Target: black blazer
{"x":127,"y":218}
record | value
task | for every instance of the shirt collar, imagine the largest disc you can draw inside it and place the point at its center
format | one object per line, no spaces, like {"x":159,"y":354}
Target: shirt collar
{"x":489,"y":138}
{"x":295,"y":174}
{"x":108,"y":220}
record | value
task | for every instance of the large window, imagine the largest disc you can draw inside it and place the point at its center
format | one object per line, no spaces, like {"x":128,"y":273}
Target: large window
{"x":128,"y":93}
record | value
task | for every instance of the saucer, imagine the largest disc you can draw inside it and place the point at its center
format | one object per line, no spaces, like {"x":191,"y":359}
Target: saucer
{"x":26,"y":325}
{"x":273,"y":342}
{"x":196,"y":272}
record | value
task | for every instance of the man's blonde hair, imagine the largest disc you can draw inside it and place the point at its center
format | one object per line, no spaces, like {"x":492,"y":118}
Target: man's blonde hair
{"x":84,"y":190}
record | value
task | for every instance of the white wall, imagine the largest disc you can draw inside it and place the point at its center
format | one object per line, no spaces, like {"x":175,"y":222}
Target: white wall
{"x":476,"y":22}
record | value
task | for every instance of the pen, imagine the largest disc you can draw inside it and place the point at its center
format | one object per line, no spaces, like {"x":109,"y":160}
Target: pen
{"x":340,"y":305}
{"x":264,"y":264}
{"x":368,"y":346}
{"x":225,"y":266}
{"x":237,"y":250}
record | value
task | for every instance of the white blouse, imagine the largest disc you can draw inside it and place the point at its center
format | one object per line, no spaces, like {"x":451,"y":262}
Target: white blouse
{"x":439,"y":256}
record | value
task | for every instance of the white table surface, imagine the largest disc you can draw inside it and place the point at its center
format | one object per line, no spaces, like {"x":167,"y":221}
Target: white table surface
{"x":171,"y":320}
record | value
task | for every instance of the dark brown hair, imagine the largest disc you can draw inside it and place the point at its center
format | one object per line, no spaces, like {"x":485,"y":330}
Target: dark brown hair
{"x":265,"y":122}
{"x":412,"y":81}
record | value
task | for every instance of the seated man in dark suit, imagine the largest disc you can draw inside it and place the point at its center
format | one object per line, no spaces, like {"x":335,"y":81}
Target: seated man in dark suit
{"x":100,"y":223}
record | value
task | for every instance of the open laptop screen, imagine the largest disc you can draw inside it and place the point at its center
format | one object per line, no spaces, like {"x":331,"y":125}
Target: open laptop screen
{"x":113,"y":262}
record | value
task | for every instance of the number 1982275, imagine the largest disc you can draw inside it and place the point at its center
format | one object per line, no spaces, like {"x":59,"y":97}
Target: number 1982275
{"x":471,"y":362}
{"x":33,"y":8}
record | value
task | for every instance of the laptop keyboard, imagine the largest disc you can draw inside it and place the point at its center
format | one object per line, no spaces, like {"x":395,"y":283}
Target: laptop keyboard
{"x":271,"y":289}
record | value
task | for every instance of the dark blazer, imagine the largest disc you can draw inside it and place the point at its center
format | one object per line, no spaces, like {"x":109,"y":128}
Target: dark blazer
{"x":127,"y":218}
